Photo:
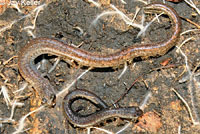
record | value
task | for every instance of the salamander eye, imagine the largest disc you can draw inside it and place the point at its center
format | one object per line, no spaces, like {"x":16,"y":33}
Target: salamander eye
{"x":139,"y":111}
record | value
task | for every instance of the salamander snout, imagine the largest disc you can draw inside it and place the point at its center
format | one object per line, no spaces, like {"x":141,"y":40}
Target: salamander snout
{"x":138,"y":112}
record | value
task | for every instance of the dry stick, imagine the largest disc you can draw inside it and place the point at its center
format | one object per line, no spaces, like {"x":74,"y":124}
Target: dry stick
{"x":179,"y":129}
{"x":142,"y":1}
{"x":193,"y":23}
{"x":183,"y":79}
{"x":145,"y":101}
{"x":191,"y":3}
{"x":124,"y":70}
{"x":17,"y":20}
{"x":127,"y":90}
{"x":7,"y":121}
{"x":27,"y":28}
{"x":186,"y":104}
{"x":9,"y":102}
{"x":141,"y":76}
{"x":191,"y":90}
{"x":22,"y":120}
{"x":179,"y":50}
{"x":192,"y":81}
{"x":65,"y":90}
{"x":6,"y":96}
{"x":7,"y":61}
{"x":54,"y":65}
{"x":190,"y":30}
{"x":101,"y":129}
{"x":123,"y":1}
{"x":3,"y":77}
{"x":198,"y":65}
{"x":95,"y":3}
{"x":24,"y":85}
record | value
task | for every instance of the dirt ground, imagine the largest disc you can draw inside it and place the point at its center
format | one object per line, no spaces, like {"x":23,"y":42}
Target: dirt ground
{"x":72,"y":21}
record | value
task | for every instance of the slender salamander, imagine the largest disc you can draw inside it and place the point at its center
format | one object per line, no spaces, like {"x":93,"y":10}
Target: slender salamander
{"x":40,"y":46}
{"x":104,"y":113}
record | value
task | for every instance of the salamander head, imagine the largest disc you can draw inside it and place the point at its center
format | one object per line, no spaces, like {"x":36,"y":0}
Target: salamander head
{"x":139,"y":112}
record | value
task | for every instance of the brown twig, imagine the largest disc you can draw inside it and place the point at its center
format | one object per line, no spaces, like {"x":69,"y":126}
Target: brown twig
{"x":193,"y":23}
{"x":141,"y":76}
